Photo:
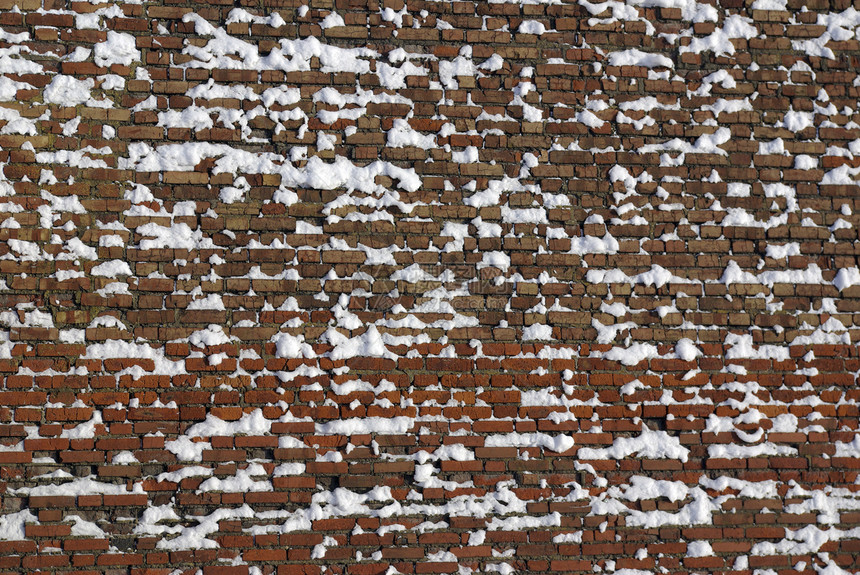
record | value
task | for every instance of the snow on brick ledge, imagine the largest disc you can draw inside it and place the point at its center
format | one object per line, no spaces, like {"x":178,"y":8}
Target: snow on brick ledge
{"x":551,"y":286}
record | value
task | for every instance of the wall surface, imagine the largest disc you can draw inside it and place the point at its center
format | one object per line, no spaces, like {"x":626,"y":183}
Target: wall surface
{"x":364,"y":287}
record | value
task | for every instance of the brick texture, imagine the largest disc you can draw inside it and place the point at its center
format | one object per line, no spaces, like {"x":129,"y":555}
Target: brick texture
{"x":308,"y":287}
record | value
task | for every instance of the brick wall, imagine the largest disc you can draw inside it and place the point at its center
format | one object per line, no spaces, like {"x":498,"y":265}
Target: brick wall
{"x":370,"y":287}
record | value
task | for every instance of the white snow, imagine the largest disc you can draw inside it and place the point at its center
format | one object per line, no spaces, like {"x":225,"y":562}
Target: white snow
{"x":636,"y":57}
{"x":649,"y":444}
{"x":119,"y":48}
{"x":68,"y":90}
